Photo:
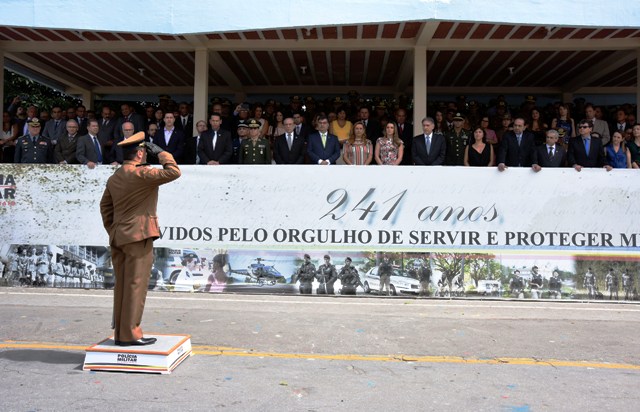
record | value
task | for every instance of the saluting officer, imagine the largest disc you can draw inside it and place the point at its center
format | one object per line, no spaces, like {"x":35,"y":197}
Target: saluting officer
{"x":457,"y":139}
{"x":306,"y":274}
{"x":33,"y":147}
{"x":254,"y":150}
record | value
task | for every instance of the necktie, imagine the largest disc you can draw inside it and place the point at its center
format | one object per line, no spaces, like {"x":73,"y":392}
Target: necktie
{"x":57,"y":124}
{"x":550,"y":151}
{"x":289,"y":140}
{"x":104,"y":122}
{"x":33,"y":139}
{"x":215,"y":137}
{"x":621,"y":127}
{"x":98,"y":151}
{"x":184,"y":122}
{"x":324,"y":140}
{"x":428,"y":143}
{"x":401,"y":128}
{"x":586,"y":145}
{"x":298,"y":129}
{"x":519,"y":137}
{"x":197,"y":144}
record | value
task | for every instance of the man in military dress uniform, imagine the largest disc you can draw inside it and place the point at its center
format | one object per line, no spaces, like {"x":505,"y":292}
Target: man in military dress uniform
{"x":590,"y":284}
{"x":306,"y":274}
{"x":424,"y":276}
{"x":33,"y":147}
{"x":255,"y":150}
{"x":611,"y":280}
{"x":349,"y":278}
{"x":327,"y":276}
{"x":128,"y":208}
{"x":384,"y":272}
{"x":457,"y":139}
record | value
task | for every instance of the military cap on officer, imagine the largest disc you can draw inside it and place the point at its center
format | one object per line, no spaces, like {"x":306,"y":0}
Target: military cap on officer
{"x":137,"y":140}
{"x":253,"y":124}
{"x":34,"y":122}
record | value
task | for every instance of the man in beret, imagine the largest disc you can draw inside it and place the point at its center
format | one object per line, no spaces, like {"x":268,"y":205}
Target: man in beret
{"x":128,"y":209}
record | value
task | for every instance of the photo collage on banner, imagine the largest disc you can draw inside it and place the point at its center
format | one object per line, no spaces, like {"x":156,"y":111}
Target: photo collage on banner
{"x":428,"y":274}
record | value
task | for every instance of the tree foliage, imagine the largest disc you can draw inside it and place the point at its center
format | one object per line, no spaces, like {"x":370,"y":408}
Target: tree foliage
{"x":34,"y":93}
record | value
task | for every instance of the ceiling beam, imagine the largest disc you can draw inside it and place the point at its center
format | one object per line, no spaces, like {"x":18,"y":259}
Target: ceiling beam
{"x":426,"y":33}
{"x":610,"y":65}
{"x":220,"y":66}
{"x":315,"y":44}
{"x":46,"y":71}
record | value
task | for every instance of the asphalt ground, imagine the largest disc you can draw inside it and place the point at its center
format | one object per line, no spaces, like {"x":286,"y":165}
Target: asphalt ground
{"x":313,"y":353}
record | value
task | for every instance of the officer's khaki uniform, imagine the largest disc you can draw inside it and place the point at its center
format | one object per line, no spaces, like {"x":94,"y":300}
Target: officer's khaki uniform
{"x":128,"y":209}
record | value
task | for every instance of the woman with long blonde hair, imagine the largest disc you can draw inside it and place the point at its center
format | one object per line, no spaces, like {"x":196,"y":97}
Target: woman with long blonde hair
{"x":358,"y":150}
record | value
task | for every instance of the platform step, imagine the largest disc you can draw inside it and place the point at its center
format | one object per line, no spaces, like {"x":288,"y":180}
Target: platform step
{"x":161,"y":357}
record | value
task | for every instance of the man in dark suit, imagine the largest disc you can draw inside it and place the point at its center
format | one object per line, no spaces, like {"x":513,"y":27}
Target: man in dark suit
{"x":517,"y":147}
{"x":621,"y":123}
{"x":81,"y":112}
{"x":215,"y":146}
{"x":55,"y":128}
{"x":128,"y":208}
{"x":372,"y":128}
{"x":288,"y":147}
{"x":106,"y":128}
{"x":191,"y":144}
{"x":89,"y":150}
{"x":65,"y":150}
{"x":429,"y":148}
{"x":549,"y":154}
{"x":170,"y":138}
{"x":405,"y":132}
{"x":128,"y":115}
{"x":301,"y":129}
{"x":184,"y":122}
{"x":323,"y":148}
{"x":585,"y":151}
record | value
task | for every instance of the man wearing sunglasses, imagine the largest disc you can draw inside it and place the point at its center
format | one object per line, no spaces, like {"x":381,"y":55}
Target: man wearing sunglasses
{"x":585,"y":150}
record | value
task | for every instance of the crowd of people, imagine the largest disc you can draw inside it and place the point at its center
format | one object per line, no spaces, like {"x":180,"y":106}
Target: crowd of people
{"x":349,"y":131}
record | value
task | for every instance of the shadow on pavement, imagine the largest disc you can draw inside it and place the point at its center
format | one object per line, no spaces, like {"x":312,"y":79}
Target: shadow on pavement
{"x":44,"y":356}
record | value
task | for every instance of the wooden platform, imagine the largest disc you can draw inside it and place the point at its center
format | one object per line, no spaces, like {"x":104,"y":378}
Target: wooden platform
{"x":161,"y":357}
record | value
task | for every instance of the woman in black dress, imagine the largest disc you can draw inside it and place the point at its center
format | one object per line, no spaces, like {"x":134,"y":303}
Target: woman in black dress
{"x":479,"y":152}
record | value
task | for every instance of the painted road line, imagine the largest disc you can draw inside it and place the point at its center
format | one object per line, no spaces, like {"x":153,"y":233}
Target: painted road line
{"x":204,"y":350}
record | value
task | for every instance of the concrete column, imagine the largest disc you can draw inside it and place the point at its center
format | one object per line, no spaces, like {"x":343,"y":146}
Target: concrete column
{"x":637,"y":85}
{"x":1,"y":81}
{"x":419,"y":88}
{"x":200,"y":88}
{"x":87,"y":99}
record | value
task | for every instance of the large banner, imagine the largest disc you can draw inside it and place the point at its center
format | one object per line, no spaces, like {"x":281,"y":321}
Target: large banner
{"x":444,"y":231}
{"x":353,"y":208}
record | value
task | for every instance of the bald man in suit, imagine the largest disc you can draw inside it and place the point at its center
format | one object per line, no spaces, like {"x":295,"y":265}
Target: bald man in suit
{"x":128,"y":209}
